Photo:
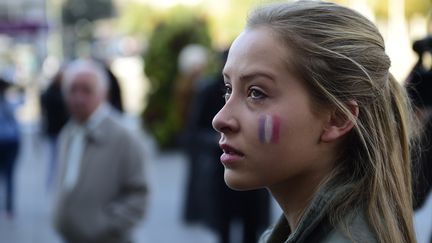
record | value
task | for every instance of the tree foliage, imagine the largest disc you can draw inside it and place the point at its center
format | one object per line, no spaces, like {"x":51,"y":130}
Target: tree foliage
{"x":180,"y":27}
{"x":138,"y":19}
{"x":412,"y":7}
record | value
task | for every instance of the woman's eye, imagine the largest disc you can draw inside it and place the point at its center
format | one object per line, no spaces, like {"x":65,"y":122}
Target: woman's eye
{"x":256,"y":94}
{"x":227,"y":92}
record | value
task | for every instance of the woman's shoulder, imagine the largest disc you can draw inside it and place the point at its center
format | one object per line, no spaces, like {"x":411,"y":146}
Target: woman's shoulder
{"x":277,"y":233}
{"x":358,"y":231}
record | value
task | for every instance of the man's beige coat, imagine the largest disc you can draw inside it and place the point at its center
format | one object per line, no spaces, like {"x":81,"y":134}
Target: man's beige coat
{"x":110,"y":194}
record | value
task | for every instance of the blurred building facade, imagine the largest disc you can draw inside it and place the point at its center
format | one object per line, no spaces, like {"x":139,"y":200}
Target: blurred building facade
{"x":23,"y":32}
{"x":23,"y":39}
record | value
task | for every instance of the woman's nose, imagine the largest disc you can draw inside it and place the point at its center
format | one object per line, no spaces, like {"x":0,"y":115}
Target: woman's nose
{"x":225,"y":121}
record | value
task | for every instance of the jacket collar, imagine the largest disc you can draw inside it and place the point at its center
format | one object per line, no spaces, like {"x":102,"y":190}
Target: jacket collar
{"x":314,"y":223}
{"x":94,"y":127}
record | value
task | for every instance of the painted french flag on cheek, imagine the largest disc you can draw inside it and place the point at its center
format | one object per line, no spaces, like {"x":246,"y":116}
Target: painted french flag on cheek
{"x":269,"y":128}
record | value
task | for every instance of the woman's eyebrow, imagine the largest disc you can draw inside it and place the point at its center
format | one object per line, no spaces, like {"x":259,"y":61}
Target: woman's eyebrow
{"x":251,"y":76}
{"x":246,"y":78}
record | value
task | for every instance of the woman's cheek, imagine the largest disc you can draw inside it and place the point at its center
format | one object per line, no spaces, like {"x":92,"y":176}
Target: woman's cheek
{"x":269,"y":129}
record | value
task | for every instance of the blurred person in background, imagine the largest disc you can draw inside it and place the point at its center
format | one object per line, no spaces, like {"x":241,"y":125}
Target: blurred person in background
{"x":102,"y":190}
{"x":419,"y":87}
{"x":9,"y":145}
{"x":55,"y":113}
{"x":193,"y":62}
{"x":114,"y":93}
{"x":100,"y":55}
{"x":54,"y":117}
{"x":208,"y":199}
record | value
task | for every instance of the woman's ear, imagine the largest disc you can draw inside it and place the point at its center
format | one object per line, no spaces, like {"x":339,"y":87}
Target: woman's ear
{"x":339,"y":124}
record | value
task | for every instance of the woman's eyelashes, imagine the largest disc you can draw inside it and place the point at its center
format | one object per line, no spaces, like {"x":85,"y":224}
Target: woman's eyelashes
{"x":227,"y":90}
{"x":255,"y":93}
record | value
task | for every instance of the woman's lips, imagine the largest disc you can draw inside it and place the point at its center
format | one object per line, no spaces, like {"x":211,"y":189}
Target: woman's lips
{"x":230,"y":155}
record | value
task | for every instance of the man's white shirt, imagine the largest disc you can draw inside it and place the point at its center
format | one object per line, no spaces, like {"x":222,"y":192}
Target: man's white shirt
{"x":78,"y":134}
{"x":74,"y":155}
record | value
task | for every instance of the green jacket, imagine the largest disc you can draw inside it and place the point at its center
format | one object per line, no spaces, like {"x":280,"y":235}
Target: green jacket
{"x":314,"y":226}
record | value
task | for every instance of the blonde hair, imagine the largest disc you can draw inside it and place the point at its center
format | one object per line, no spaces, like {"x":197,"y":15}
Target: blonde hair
{"x":341,"y":57}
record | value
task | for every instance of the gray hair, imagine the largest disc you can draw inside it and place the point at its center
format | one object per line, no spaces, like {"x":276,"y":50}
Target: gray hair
{"x":85,"y":66}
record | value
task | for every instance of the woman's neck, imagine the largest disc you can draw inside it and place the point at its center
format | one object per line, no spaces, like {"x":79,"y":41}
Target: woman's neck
{"x":295,"y":195}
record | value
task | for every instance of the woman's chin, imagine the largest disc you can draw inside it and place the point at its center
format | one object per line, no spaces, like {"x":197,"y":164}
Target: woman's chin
{"x":238,"y":182}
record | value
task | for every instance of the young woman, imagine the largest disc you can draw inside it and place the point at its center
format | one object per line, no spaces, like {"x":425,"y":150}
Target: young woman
{"x":313,"y":114}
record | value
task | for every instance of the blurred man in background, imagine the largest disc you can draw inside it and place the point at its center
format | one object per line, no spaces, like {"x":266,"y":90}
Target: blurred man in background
{"x":102,"y":190}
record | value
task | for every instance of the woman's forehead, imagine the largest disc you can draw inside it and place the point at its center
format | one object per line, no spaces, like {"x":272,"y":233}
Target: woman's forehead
{"x":256,"y":40}
{"x":256,"y":48}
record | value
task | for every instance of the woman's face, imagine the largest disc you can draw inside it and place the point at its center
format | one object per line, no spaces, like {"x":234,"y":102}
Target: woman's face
{"x":269,"y":132}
